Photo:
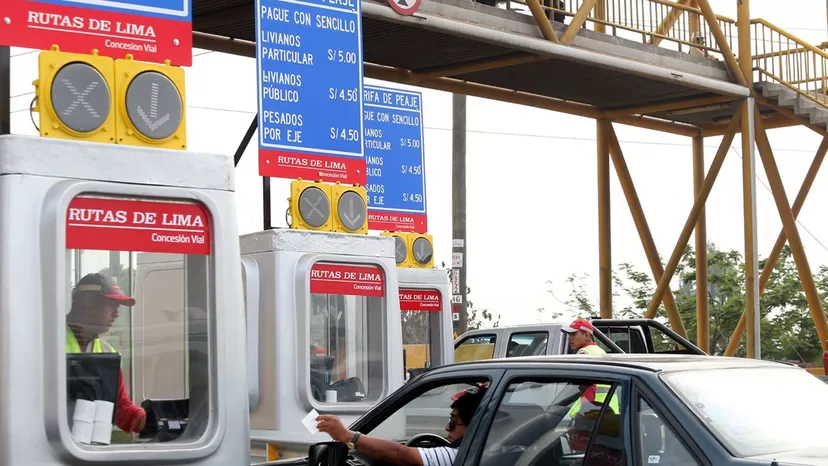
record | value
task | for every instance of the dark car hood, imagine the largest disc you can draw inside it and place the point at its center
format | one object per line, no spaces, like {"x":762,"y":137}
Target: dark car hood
{"x":811,"y":457}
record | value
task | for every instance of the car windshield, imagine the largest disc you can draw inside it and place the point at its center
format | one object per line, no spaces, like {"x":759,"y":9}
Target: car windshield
{"x":757,"y":411}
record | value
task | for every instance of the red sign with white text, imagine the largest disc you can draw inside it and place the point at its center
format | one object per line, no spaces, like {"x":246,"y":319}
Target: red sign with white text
{"x":389,"y":221}
{"x":141,"y":226}
{"x":420,"y":300}
{"x":346,"y":279}
{"x":150,"y":30}
{"x":291,"y":165}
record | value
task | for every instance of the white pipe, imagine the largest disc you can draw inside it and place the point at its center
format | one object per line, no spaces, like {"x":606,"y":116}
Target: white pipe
{"x":501,"y":38}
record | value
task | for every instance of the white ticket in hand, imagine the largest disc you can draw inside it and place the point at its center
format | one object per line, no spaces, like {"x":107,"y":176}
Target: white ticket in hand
{"x":310,"y":422}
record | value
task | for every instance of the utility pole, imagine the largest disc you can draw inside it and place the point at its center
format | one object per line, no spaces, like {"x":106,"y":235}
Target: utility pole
{"x":458,"y":203}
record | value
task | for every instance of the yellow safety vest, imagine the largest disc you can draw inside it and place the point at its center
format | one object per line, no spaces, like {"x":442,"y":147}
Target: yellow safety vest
{"x":601,"y":390}
{"x":98,"y":346}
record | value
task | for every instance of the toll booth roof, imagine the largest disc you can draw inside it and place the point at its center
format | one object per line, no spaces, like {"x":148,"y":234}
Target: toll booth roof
{"x":444,"y":36}
{"x":317,"y":242}
{"x":114,"y":163}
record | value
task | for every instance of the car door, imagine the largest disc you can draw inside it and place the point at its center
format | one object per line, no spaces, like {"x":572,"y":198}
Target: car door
{"x":539,"y":416}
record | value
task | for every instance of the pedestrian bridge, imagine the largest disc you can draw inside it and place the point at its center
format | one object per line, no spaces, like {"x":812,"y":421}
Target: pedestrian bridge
{"x":654,"y":63}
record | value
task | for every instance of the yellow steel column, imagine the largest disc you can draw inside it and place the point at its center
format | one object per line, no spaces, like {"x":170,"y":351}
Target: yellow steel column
{"x":702,"y":297}
{"x":780,"y":241}
{"x":601,"y":14}
{"x":604,"y":229}
{"x":789,"y":225}
{"x":752,"y":315}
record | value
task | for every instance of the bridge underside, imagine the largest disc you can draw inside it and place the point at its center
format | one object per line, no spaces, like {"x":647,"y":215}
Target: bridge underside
{"x":484,"y":51}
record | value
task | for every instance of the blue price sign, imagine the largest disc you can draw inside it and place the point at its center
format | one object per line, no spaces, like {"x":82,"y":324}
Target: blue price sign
{"x":309,"y":59}
{"x":393,"y":120}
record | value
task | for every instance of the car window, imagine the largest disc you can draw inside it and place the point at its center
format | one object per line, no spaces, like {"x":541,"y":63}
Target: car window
{"x":657,"y":442}
{"x":429,"y":412}
{"x":552,"y":422}
{"x":527,"y":344}
{"x":475,"y":348}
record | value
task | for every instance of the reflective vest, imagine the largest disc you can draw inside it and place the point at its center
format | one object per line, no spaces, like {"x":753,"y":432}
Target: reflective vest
{"x":601,"y":390}
{"x":96,"y":345}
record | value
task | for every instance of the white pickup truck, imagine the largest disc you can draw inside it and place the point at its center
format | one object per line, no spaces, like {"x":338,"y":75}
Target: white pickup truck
{"x":613,"y":335}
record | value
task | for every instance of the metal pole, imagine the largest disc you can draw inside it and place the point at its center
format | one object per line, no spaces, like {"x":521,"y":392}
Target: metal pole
{"x":604,"y":220}
{"x":246,"y":140}
{"x":5,"y":90}
{"x":458,"y":203}
{"x":266,"y":208}
{"x":702,"y":296}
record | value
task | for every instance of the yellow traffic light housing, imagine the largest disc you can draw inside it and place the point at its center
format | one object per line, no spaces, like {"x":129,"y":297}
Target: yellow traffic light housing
{"x":310,"y":205}
{"x":349,"y":206}
{"x":421,"y":250}
{"x":74,"y":96}
{"x":151,"y":104}
{"x":402,"y":256}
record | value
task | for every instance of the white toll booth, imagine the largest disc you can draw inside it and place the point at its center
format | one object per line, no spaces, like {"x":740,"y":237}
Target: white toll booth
{"x":425,"y":300}
{"x":74,"y":216}
{"x":323,"y":328}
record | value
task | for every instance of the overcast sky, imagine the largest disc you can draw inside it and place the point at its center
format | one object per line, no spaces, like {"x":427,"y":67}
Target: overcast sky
{"x":532,"y":206}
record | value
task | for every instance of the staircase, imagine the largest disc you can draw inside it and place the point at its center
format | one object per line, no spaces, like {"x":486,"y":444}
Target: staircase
{"x":802,"y":105}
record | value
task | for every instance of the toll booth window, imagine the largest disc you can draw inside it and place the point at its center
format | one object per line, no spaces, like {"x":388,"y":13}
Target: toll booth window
{"x":137,"y":321}
{"x":347,"y":321}
{"x":420,"y":312}
{"x":475,"y":348}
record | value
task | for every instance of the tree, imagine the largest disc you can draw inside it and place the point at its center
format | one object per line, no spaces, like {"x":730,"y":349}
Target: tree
{"x":787,"y":329}
{"x":486,"y":316}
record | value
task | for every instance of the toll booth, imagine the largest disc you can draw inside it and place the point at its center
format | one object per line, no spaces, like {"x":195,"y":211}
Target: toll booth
{"x":75,"y":216}
{"x":323,"y":329}
{"x":426,"y":319}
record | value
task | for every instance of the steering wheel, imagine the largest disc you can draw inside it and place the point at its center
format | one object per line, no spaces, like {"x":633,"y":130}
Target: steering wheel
{"x":427,"y":437}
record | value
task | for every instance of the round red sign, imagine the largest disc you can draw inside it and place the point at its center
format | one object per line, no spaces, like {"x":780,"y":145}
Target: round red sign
{"x":405,"y":7}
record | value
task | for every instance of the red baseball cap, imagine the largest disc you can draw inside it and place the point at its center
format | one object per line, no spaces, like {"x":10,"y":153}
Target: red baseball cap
{"x":579,"y":325}
{"x":104,"y":286}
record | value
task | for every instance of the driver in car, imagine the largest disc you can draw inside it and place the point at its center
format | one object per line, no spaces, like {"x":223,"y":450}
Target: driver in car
{"x":463,"y":405}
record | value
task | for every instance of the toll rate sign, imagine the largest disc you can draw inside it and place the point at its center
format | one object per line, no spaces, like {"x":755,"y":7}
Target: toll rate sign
{"x":393,"y":120}
{"x":309,"y":73}
{"x":150,"y":30}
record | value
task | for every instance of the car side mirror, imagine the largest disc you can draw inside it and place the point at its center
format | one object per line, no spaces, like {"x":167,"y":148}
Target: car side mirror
{"x":328,"y":454}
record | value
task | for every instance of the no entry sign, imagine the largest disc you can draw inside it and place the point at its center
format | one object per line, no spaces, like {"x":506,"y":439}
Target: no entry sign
{"x":405,"y":7}
{"x":150,"y":30}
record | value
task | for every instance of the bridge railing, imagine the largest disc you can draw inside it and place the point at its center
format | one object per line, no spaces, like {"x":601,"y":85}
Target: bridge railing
{"x":669,"y":24}
{"x":783,"y":58}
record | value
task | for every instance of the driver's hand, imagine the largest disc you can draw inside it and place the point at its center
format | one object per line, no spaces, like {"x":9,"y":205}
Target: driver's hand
{"x":333,"y":426}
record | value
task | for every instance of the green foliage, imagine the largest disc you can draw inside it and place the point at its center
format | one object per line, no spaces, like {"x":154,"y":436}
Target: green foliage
{"x":787,"y":329}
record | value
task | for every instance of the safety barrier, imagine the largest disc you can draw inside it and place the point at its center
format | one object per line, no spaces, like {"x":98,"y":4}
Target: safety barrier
{"x":653,"y":21}
{"x":783,"y":58}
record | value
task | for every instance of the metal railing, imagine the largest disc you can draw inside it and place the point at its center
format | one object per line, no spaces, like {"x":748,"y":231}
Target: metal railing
{"x":783,"y":58}
{"x":659,"y":22}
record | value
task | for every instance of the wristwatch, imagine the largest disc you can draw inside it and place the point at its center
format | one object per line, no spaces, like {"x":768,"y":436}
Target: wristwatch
{"x":353,"y":442}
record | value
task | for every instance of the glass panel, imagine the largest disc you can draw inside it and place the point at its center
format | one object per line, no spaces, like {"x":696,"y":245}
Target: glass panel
{"x":779,"y":391}
{"x":553,"y":423}
{"x":429,"y":412}
{"x":475,"y":348}
{"x":658,"y":443}
{"x":346,"y":333}
{"x":527,"y":344}
{"x":108,"y":345}
{"x":420,"y":334}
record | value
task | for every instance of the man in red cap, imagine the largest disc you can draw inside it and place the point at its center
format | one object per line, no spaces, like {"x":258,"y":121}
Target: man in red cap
{"x":96,"y":300}
{"x":579,"y":334}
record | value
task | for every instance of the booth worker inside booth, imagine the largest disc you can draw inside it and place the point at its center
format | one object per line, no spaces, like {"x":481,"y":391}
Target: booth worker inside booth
{"x":96,"y":300}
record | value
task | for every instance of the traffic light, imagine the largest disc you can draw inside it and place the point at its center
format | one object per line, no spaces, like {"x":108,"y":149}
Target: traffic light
{"x":421,"y":248}
{"x":74,"y":96}
{"x":401,"y":255}
{"x":310,"y":205}
{"x":350,"y":208}
{"x":151,"y":106}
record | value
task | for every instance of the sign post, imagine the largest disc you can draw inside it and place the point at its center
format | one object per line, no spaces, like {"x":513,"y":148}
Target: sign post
{"x":394,"y":159}
{"x":150,"y":30}
{"x":309,"y":73}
